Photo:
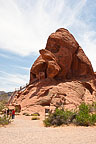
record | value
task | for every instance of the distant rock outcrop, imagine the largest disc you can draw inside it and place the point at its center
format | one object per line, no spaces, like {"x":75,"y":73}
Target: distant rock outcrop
{"x":4,"y":96}
{"x":62,"y":76}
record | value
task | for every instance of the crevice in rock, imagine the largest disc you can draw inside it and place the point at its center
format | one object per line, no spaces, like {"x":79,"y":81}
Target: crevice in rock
{"x":88,"y":86}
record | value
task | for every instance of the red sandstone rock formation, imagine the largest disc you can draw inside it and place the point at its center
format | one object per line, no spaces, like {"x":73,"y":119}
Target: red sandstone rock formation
{"x":62,"y":76}
{"x":62,"y":58}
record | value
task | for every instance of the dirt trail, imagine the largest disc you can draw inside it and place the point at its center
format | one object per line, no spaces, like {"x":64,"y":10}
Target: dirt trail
{"x":24,"y":131}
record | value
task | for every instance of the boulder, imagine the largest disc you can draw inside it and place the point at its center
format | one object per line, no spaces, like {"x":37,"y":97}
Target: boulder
{"x":38,"y":66}
{"x":45,"y":65}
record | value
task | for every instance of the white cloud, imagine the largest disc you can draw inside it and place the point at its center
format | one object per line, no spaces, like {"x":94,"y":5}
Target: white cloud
{"x":5,"y":56}
{"x":89,"y":44}
{"x":11,"y":81}
{"x":25,"y":30}
{"x":23,"y":68}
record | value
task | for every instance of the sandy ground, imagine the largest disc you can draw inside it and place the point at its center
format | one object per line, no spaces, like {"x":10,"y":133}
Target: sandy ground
{"x":25,"y":131}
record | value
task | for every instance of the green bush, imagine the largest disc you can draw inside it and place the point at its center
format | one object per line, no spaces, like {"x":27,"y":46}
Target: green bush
{"x":26,"y":114}
{"x":59,"y":117}
{"x":1,"y":106}
{"x":4,"y":120}
{"x":82,"y":117}
{"x":47,"y":122}
{"x":84,"y":108}
{"x":35,"y":114}
{"x":94,"y":106}
{"x":35,"y":118}
{"x":93,"y":117}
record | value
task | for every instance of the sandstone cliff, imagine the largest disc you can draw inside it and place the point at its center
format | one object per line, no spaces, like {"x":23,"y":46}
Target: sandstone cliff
{"x":62,"y":76}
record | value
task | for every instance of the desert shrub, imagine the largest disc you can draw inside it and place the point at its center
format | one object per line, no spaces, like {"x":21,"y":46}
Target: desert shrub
{"x":1,"y":106}
{"x":35,"y":114}
{"x":26,"y":114}
{"x":84,"y":108}
{"x":94,"y":106}
{"x":93,"y":118}
{"x":47,"y":122}
{"x":83,"y":117}
{"x":59,"y":117}
{"x":35,"y":118}
{"x":4,"y":120}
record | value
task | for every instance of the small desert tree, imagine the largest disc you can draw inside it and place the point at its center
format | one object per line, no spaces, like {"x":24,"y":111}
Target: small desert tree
{"x":4,"y":120}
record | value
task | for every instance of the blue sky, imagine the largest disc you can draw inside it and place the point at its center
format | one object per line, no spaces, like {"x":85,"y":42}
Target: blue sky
{"x":25,"y":26}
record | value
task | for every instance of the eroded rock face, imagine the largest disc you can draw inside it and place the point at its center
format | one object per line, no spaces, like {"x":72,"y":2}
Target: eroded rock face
{"x":52,"y":66}
{"x":50,"y":93}
{"x":38,"y":66}
{"x":81,"y":65}
{"x":46,"y":64}
{"x":62,"y":58}
{"x":63,"y":45}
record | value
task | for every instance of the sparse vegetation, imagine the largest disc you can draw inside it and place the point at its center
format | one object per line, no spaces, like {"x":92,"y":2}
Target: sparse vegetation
{"x":35,"y":118}
{"x":26,"y":114}
{"x":59,"y":117}
{"x":4,"y":119}
{"x":35,"y":114}
{"x":1,"y":106}
{"x":82,"y":117}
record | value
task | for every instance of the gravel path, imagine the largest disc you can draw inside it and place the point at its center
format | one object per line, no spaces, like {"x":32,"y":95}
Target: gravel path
{"x":24,"y":131}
